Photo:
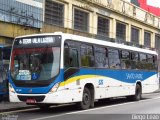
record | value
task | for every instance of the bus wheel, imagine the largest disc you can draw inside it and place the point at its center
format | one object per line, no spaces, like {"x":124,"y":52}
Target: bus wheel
{"x":1,"y":98}
{"x":86,"y":100}
{"x":138,"y":94}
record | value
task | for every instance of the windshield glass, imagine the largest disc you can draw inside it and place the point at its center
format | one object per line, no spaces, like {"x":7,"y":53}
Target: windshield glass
{"x":35,"y":60}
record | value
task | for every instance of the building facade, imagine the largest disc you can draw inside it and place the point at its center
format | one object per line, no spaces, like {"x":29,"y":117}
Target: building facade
{"x":114,"y":20}
{"x":19,"y":17}
{"x":119,"y":20}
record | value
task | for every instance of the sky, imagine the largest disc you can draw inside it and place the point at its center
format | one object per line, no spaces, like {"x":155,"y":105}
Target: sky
{"x":155,"y":3}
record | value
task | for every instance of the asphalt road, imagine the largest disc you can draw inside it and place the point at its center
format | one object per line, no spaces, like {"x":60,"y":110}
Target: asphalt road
{"x":116,"y":109}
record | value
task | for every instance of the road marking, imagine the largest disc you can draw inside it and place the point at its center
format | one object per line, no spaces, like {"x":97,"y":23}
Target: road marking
{"x":53,"y":116}
{"x":151,"y":93}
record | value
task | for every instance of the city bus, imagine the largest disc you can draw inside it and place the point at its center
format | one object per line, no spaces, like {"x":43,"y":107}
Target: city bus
{"x":4,"y":66}
{"x":59,"y":68}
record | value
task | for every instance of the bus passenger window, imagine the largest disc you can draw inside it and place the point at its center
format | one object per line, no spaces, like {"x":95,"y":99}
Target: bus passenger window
{"x":66,"y":57}
{"x":135,"y":60}
{"x":71,"y":58}
{"x":87,"y":58}
{"x":74,"y":58}
{"x":155,"y":63}
{"x":149,"y":64}
{"x":143,"y":61}
{"x":114,"y":61}
{"x":125,"y":60}
{"x":101,"y":57}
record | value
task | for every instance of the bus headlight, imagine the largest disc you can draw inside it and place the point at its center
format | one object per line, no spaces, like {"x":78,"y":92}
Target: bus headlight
{"x":54,"y":88}
{"x":11,"y":89}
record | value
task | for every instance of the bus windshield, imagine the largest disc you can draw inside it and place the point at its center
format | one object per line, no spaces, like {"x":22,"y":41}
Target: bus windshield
{"x":35,"y":58}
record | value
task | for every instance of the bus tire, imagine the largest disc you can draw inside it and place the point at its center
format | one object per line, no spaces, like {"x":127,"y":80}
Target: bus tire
{"x":138,"y":94}
{"x":86,"y":100}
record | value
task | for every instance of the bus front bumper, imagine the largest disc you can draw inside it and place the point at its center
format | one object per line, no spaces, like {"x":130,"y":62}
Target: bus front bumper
{"x":63,"y":96}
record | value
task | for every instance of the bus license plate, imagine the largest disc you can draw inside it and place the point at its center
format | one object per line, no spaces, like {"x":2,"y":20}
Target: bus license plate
{"x":30,"y":101}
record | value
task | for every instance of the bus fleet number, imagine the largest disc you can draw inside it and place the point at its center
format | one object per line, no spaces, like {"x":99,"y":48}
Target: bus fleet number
{"x":100,"y":82}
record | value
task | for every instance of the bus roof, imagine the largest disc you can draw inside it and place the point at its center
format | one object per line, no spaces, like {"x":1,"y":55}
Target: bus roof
{"x":95,"y":41}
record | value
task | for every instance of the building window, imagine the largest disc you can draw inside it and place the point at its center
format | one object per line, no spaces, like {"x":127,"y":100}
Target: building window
{"x":135,"y":36}
{"x":80,"y":20}
{"x":147,"y":39}
{"x":54,"y":13}
{"x":120,"y":31}
{"x":157,"y":46}
{"x":157,"y":42}
{"x":17,"y":12}
{"x":103,"y":26}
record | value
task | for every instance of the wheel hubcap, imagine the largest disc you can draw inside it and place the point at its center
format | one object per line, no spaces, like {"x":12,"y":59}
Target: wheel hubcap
{"x":86,"y":98}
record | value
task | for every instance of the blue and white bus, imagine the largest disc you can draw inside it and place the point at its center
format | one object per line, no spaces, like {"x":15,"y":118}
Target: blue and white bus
{"x":4,"y":66}
{"x":60,"y":68}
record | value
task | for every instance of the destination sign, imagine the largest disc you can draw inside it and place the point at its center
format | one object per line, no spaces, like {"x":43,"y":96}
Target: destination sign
{"x":37,"y":40}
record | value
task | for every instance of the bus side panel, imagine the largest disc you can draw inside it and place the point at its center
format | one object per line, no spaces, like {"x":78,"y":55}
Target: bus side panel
{"x":107,"y":83}
{"x":151,"y":84}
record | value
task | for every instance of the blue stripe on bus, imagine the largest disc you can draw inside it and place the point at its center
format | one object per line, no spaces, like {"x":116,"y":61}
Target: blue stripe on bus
{"x":128,"y":76}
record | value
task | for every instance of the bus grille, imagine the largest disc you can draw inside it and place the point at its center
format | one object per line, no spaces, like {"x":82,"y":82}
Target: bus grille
{"x":37,"y":98}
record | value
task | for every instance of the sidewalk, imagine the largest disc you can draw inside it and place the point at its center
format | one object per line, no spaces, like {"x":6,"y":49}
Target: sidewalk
{"x":7,"y":106}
